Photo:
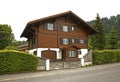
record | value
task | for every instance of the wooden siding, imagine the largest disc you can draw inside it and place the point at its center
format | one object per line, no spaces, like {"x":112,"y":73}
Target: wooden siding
{"x":51,"y":39}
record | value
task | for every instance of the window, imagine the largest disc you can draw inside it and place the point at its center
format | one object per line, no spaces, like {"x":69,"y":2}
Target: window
{"x":82,"y":41}
{"x":65,"y":28}
{"x":65,"y":40}
{"x":72,"y":40}
{"x":50,"y":26}
{"x":72,"y":53}
{"x":35,"y":52}
{"x":73,"y":28}
{"x":34,"y":41}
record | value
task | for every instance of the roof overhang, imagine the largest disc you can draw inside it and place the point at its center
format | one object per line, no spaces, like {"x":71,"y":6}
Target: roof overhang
{"x":86,"y":26}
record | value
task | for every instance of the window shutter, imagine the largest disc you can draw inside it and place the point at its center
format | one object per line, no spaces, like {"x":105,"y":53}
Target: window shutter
{"x":69,"y":29}
{"x":75,"y":28}
{"x":75,"y":40}
{"x":86,"y":41}
{"x":78,"y":40}
{"x":45,"y":25}
{"x":69,"y":40}
{"x":61,"y":40}
{"x":61,"y":27}
{"x":55,"y":26}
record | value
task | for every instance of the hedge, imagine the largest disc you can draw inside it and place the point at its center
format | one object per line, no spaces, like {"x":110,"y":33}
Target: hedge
{"x":106,"y":56}
{"x":15,"y":61}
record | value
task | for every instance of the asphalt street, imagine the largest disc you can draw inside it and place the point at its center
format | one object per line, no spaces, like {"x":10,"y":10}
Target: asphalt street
{"x":107,"y":74}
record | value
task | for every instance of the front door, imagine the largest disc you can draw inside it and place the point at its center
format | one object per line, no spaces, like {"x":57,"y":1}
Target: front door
{"x":63,"y":54}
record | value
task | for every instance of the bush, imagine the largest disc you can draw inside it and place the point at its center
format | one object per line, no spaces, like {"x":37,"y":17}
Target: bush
{"x":106,"y":56}
{"x":14,"y":61}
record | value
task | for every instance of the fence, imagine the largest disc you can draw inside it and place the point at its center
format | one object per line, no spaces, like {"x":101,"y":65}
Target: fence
{"x":61,"y":64}
{"x":46,"y":64}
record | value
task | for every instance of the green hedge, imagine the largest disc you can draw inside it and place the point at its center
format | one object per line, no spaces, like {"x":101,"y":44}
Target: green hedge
{"x":15,"y":61}
{"x":106,"y":56}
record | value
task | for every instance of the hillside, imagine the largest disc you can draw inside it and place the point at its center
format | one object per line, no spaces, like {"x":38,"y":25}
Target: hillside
{"x":109,"y":22}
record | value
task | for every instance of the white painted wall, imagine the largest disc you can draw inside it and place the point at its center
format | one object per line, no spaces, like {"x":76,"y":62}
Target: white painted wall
{"x":39,"y":50}
{"x":83,"y":52}
{"x":32,"y":51}
{"x":58,"y":51}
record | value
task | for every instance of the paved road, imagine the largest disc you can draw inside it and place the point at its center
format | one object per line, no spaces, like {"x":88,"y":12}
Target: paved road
{"x":107,"y":74}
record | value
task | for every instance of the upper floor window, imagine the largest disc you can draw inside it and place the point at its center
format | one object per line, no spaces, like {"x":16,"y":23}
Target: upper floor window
{"x":65,"y":28}
{"x":72,"y":28}
{"x":82,"y":41}
{"x":65,"y":41}
{"x":72,"y":40}
{"x":50,"y":26}
{"x":34,"y":41}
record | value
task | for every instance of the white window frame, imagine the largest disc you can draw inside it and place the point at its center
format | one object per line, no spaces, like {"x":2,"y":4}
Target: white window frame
{"x":50,"y":26}
{"x":72,"y":53}
{"x":65,"y":41}
{"x":65,"y":28}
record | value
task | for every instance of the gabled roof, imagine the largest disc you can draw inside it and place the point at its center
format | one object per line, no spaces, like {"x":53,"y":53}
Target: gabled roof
{"x":74,"y":16}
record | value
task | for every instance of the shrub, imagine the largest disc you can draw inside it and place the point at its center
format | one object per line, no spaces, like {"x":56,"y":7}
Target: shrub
{"x":98,"y":58}
{"x":15,"y":61}
{"x":106,"y":56}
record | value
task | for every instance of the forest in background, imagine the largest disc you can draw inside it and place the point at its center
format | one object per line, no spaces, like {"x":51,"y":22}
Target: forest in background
{"x":108,"y":23}
{"x":108,"y":36}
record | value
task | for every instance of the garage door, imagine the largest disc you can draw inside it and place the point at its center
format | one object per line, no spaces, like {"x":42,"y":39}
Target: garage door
{"x":49,"y":54}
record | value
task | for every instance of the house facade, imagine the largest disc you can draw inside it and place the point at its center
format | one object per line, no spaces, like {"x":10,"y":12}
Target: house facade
{"x":61,"y":36}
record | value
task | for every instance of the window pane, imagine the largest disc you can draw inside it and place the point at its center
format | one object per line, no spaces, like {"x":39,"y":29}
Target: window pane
{"x":72,"y":53}
{"x":73,"y":28}
{"x":50,"y":26}
{"x":65,"y":40}
{"x":82,"y":41}
{"x":73,"y":40}
{"x":65,"y":28}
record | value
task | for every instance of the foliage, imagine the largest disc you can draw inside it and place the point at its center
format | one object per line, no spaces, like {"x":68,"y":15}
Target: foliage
{"x":97,"y":41}
{"x":108,"y":24}
{"x":113,"y":39}
{"x":13,"y":46}
{"x":14,"y":61}
{"x":6,"y":36}
{"x":106,"y":56}
{"x":22,"y":42}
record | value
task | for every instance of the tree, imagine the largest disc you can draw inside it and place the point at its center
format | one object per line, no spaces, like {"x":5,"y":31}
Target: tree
{"x":97,"y":41}
{"x":6,"y":36}
{"x":113,"y":38}
{"x":13,"y":46}
{"x":108,"y":22}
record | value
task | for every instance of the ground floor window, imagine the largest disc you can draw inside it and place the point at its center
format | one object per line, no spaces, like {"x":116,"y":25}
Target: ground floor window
{"x":72,"y":53}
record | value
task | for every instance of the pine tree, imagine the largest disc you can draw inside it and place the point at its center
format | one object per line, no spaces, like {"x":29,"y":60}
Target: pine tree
{"x":97,"y":41}
{"x":113,"y":38}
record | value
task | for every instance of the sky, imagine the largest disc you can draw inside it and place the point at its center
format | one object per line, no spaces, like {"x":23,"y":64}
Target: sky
{"x":17,"y":13}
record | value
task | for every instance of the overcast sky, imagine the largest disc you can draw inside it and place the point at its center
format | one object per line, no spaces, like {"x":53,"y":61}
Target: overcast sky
{"x":18,"y":13}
